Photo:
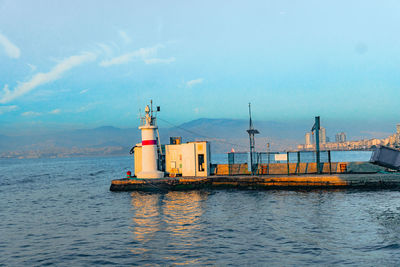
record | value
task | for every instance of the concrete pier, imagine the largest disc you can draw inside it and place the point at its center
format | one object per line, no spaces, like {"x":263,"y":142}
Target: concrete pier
{"x":291,"y":182}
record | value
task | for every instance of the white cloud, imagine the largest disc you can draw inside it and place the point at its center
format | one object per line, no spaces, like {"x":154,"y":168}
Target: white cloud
{"x":55,"y":111}
{"x":117,"y":60}
{"x":33,"y":67}
{"x":124,"y":36}
{"x":5,"y":109}
{"x":43,"y":78}
{"x":11,"y":49}
{"x":194,"y":82}
{"x":159,"y":60}
{"x":142,"y":53}
{"x":105,"y":48}
{"x":87,"y":107}
{"x":83,"y":91}
{"x":31,"y":114}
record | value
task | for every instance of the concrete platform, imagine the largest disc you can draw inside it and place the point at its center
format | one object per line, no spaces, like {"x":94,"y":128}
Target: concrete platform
{"x":291,"y":182}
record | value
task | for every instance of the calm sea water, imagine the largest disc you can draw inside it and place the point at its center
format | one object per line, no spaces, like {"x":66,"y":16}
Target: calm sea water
{"x":60,"y":212}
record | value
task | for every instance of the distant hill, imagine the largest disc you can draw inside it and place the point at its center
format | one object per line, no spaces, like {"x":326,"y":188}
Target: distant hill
{"x":224,"y":134}
{"x":101,"y":141}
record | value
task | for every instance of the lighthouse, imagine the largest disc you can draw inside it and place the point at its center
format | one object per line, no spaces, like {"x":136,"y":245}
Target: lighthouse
{"x":148,"y":127}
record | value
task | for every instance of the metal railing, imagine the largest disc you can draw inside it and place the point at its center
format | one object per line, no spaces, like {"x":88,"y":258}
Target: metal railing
{"x":143,"y":121}
{"x":264,"y":163}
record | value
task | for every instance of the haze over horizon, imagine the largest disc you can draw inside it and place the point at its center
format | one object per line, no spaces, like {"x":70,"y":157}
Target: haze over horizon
{"x":73,"y":64}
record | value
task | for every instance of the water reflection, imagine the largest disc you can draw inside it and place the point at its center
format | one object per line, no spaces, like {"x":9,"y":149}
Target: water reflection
{"x":181,"y":212}
{"x":169,"y":222}
{"x":147,"y":216}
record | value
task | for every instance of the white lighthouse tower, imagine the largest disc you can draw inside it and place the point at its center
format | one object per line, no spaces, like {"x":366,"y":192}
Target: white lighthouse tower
{"x":148,"y":126}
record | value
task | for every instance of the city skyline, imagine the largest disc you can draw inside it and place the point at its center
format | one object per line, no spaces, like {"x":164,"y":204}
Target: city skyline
{"x":341,"y":142}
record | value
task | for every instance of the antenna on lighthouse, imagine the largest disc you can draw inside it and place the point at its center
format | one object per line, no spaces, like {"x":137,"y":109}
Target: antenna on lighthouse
{"x":251,"y":131}
{"x":151,"y":107}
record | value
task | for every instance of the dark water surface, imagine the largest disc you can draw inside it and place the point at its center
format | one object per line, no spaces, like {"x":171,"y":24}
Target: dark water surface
{"x":61,"y":212}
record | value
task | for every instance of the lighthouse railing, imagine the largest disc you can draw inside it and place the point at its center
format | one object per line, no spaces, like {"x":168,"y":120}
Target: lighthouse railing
{"x":143,"y":121}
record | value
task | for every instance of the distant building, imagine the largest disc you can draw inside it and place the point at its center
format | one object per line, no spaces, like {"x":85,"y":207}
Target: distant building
{"x":308,"y":139}
{"x":337,"y":138}
{"x":343,"y":137}
{"x":322,"y":135}
{"x":397,"y":142}
{"x":341,"y":142}
{"x":340,"y":137}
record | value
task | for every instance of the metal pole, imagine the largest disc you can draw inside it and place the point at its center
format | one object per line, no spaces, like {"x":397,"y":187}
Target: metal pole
{"x":329,"y":159}
{"x":151,"y":108}
{"x":287,"y":163}
{"x":230,"y":163}
{"x":317,"y":128}
{"x":298,"y":162}
{"x":251,"y":143}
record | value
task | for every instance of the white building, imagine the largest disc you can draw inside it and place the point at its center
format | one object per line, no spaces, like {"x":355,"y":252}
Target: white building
{"x":187,"y":159}
{"x":308,"y":139}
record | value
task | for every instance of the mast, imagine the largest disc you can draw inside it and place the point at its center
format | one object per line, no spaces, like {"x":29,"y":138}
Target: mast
{"x":251,"y":131}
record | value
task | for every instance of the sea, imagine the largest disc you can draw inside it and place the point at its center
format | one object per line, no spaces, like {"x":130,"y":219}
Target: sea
{"x":60,"y":212}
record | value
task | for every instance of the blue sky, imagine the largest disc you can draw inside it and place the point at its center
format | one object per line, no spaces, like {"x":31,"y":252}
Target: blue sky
{"x":83,"y":64}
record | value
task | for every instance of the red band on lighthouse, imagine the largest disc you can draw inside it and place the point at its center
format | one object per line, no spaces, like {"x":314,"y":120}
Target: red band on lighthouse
{"x":148,"y":142}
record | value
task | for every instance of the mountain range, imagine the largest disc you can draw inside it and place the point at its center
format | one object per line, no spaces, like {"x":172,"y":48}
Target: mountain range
{"x":224,"y":134}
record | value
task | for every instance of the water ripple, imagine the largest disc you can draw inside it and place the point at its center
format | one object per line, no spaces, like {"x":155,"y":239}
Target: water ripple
{"x":60,"y":212}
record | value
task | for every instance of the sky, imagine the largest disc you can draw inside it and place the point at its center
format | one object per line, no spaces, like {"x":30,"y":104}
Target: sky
{"x":83,"y":64}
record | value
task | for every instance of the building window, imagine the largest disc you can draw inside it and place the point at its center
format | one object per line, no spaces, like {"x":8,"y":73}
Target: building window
{"x":201,"y":162}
